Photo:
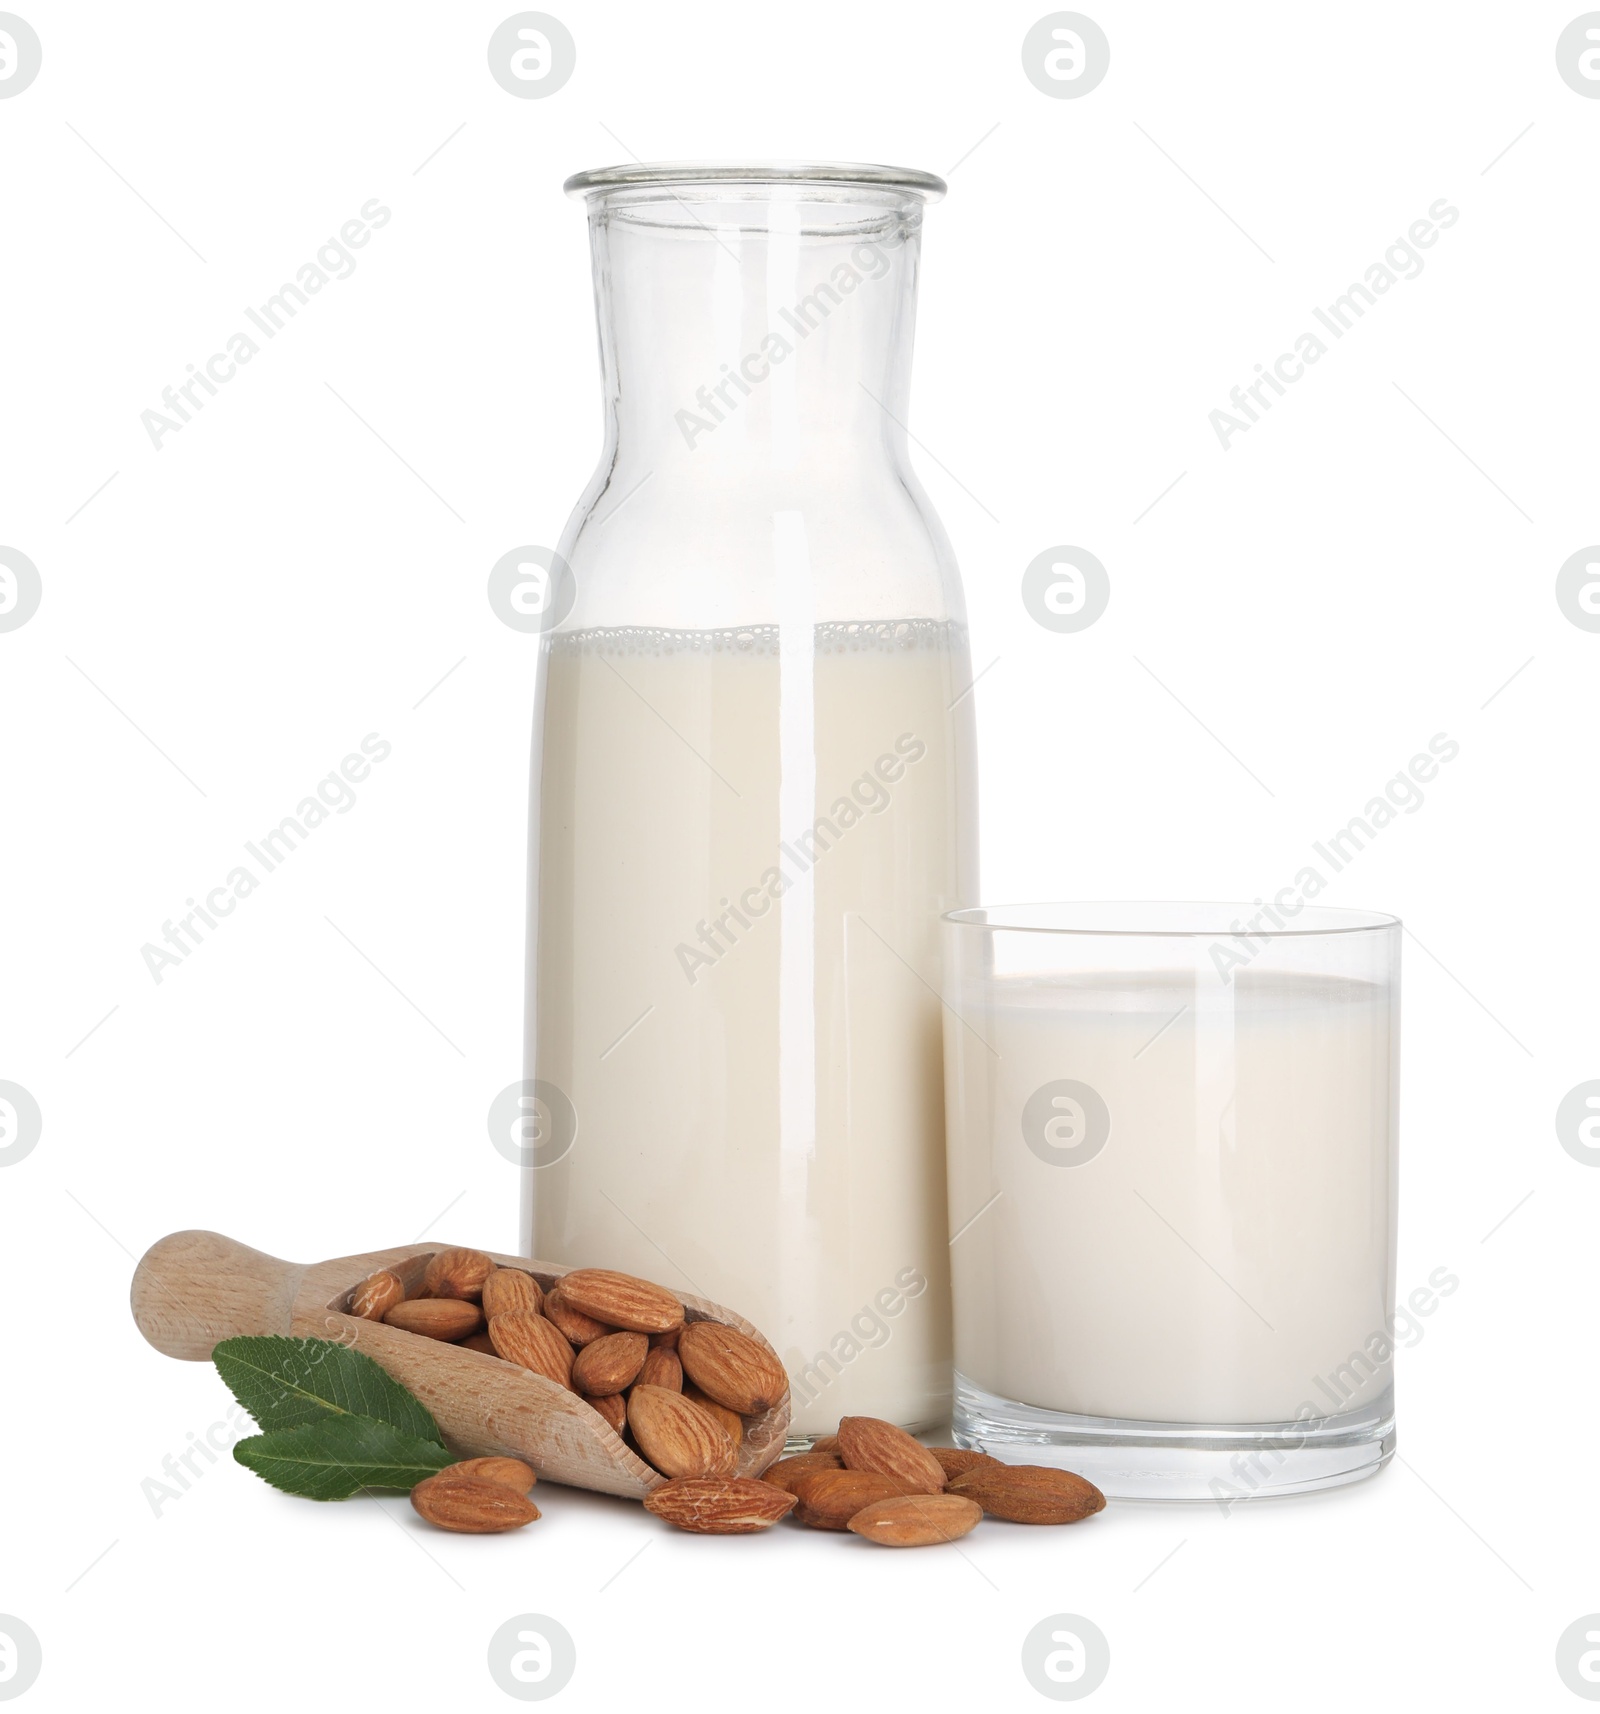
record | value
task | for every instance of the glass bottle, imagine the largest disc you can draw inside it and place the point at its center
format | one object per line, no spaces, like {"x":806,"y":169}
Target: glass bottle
{"x":753,"y":785}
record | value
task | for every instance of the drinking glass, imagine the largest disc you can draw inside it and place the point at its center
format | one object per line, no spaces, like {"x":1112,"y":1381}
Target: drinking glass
{"x":1172,"y":1167}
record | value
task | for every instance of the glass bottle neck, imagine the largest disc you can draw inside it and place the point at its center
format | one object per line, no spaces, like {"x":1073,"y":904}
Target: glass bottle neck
{"x":762,"y":335}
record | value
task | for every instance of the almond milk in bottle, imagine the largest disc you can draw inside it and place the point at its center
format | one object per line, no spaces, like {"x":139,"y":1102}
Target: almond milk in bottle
{"x":753,"y":786}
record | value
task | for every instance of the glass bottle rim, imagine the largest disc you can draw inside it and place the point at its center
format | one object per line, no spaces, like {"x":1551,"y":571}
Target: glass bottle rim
{"x":1169,"y":919}
{"x":824,"y":175}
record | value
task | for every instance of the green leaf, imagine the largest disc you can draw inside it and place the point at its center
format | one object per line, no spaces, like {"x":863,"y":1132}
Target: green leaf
{"x":288,"y":1383}
{"x":339,"y":1456}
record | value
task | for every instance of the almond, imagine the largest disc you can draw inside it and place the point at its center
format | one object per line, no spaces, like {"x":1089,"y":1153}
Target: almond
{"x":470,"y":1505}
{"x":377,"y":1294}
{"x":579,"y":1328}
{"x":667,"y":1341}
{"x":613,"y":1407}
{"x":1029,"y":1493}
{"x":730,"y":1419}
{"x":457,"y":1273}
{"x":830,"y":1498}
{"x":915,"y":1520}
{"x":609,"y":1364}
{"x":956,"y":1460}
{"x":720,"y":1505}
{"x":436,"y":1317}
{"x":507,"y":1289}
{"x":825,"y":1443}
{"x":787,"y":1471}
{"x":662,"y":1369}
{"x":731,"y":1367}
{"x":528,"y":1339}
{"x":479,"y":1342}
{"x":508,"y":1472}
{"x":869,"y":1443}
{"x":621,"y":1300}
{"x":677,"y":1436}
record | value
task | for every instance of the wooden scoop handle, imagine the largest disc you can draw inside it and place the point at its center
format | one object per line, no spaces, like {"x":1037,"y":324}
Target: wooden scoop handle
{"x":193,"y":1289}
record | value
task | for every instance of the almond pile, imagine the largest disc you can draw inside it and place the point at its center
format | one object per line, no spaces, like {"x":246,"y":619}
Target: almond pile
{"x":879,"y":1482}
{"x":678,"y":1390}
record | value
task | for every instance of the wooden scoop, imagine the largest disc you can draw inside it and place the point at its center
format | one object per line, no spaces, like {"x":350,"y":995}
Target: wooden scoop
{"x":194,"y":1289}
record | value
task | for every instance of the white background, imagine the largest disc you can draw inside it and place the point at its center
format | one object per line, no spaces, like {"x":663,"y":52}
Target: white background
{"x":228,"y":617}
